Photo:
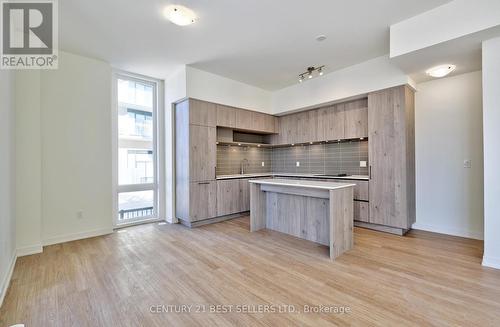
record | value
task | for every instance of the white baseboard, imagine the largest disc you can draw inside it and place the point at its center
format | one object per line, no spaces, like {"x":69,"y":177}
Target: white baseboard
{"x":492,"y":262}
{"x":76,"y":236}
{"x":6,"y":282}
{"x":477,"y":235}
{"x":29,"y":250}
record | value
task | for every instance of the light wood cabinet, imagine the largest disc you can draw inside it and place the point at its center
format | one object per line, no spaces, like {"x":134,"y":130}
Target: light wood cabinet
{"x":202,"y":200}
{"x":244,"y":119}
{"x":226,"y":116}
{"x":392,"y":159}
{"x":361,"y":211}
{"x":195,"y":160}
{"x":244,"y":195}
{"x":202,"y":113}
{"x":356,"y":119}
{"x":331,"y":123}
{"x":228,"y":197}
{"x":203,"y":153}
{"x":233,"y":196}
{"x":263,"y":122}
{"x":360,"y":191}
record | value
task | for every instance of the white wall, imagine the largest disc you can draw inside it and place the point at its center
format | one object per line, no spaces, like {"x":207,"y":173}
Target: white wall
{"x":214,"y":88}
{"x":491,"y":135}
{"x":448,"y":126}
{"x":28,"y":163}
{"x":76,"y":149}
{"x":447,"y":22}
{"x":7,"y":182}
{"x":369,"y":76}
{"x":175,"y":89}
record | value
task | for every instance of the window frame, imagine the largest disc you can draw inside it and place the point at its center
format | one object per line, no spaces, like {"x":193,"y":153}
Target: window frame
{"x":156,"y":185}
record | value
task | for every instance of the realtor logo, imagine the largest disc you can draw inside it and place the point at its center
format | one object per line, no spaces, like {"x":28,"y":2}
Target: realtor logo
{"x":29,"y":34}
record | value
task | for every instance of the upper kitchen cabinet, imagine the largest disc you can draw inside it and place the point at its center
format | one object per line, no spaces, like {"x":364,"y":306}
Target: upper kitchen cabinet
{"x":391,"y":147}
{"x":202,"y":113}
{"x":244,"y":119}
{"x":331,"y":121}
{"x":226,"y":116}
{"x":356,"y":119}
{"x":263,"y":122}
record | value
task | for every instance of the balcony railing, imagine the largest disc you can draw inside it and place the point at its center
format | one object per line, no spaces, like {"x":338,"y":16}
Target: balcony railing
{"x":135,"y":213}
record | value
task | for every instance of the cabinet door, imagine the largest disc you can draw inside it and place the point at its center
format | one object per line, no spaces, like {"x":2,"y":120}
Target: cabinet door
{"x":244,"y":195}
{"x":244,"y":119}
{"x":361,"y":211}
{"x":202,"y":200}
{"x":331,"y":123}
{"x":228,"y":197}
{"x":285,"y":132}
{"x":226,"y":116}
{"x":356,"y":119}
{"x":202,"y":153}
{"x":269,"y":124}
{"x":202,"y":113}
{"x":387,"y":153}
{"x":258,"y":121}
{"x":360,"y":191}
{"x":313,"y":117}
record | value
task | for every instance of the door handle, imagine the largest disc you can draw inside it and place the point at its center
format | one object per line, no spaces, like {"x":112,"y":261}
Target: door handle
{"x":370,"y":173}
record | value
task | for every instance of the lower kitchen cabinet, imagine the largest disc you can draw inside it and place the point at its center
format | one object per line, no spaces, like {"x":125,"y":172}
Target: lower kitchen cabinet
{"x":228,"y":197}
{"x":202,"y":200}
{"x":233,"y":196}
{"x":361,"y":211}
{"x":244,"y":195}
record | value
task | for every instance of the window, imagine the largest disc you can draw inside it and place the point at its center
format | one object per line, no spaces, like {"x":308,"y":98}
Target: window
{"x":136,"y":158}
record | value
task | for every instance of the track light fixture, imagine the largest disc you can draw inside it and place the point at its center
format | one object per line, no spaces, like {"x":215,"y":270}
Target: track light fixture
{"x":309,"y":73}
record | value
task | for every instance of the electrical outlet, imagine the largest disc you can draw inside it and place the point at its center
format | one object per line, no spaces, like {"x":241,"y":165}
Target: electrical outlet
{"x":263,"y":164}
{"x":298,"y":164}
{"x":79,"y":214}
{"x":467,"y":163}
{"x":362,"y":163}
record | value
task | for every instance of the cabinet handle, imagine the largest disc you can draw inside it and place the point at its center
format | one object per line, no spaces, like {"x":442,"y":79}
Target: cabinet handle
{"x":203,"y":183}
{"x":370,"y":177}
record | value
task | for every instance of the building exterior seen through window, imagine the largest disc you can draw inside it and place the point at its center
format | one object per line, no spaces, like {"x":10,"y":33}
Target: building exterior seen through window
{"x":136,"y":152}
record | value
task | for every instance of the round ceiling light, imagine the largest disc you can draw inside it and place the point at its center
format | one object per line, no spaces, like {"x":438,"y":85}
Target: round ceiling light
{"x":320,"y":38}
{"x":440,"y":71}
{"x":179,"y":15}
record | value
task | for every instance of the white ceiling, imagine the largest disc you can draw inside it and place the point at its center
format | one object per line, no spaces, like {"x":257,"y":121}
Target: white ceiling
{"x":265,"y":43}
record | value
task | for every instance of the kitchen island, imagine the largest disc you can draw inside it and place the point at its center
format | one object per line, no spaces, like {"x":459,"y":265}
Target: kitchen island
{"x":317,"y":211}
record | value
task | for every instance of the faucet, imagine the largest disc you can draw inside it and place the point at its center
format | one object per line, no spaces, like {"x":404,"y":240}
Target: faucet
{"x":243,"y":164}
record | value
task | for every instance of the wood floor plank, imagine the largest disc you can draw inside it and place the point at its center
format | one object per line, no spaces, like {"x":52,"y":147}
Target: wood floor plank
{"x":422,"y":279}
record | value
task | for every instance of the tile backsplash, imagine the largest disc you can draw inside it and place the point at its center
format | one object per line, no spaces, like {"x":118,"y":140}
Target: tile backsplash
{"x":328,"y":158}
{"x":230,"y":158}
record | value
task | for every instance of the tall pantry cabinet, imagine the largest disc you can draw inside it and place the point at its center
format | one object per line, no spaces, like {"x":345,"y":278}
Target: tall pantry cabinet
{"x":391,"y":149}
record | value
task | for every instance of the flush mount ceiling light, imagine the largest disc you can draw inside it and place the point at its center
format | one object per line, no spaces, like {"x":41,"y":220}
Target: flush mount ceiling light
{"x":310,"y":71}
{"x":440,"y":71}
{"x":179,"y":15}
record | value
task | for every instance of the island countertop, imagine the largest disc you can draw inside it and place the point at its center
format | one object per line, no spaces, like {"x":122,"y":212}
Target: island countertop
{"x":302,"y":183}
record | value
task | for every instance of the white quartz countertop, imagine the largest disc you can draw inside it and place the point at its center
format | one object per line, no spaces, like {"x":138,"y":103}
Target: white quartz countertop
{"x":302,"y":183}
{"x":278,"y":174}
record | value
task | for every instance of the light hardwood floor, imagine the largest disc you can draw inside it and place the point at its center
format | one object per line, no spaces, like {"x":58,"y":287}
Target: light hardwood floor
{"x":418,"y":280}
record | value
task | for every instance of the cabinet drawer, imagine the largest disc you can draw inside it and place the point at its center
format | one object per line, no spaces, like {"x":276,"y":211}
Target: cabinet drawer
{"x":361,"y":211}
{"x":360,"y":190}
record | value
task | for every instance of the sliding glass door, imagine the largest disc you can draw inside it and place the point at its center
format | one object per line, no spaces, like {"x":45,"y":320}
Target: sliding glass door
{"x":136,"y":163}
